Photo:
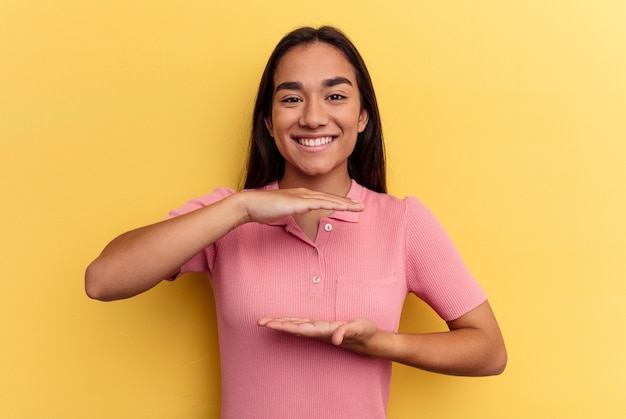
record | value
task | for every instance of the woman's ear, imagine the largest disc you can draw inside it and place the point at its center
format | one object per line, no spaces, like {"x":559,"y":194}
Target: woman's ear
{"x":268,"y":125}
{"x":364,"y":118}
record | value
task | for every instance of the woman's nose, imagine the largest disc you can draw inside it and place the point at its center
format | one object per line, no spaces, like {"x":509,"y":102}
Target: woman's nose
{"x":314,"y":114}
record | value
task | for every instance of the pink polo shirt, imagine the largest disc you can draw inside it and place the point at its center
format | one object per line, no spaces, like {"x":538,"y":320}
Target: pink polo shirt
{"x":360,"y":265}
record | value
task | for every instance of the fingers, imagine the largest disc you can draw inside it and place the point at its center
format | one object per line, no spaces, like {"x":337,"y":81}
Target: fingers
{"x":356,"y":332}
{"x":321,"y":329}
{"x":281,"y":320}
{"x":266,"y":206}
{"x":338,"y":335}
{"x":310,"y":200}
{"x":347,"y":332}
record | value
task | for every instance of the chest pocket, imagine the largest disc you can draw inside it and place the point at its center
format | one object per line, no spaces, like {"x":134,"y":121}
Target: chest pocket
{"x":379,"y":299}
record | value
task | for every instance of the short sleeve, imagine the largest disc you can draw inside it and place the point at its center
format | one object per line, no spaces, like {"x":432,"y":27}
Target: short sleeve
{"x":203,"y":261}
{"x":436,"y":273}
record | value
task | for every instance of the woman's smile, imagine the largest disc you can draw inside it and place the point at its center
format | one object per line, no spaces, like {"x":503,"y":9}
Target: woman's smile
{"x":314,"y":142}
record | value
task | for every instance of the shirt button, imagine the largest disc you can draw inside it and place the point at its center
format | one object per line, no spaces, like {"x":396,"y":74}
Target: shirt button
{"x":315,"y":252}
{"x":328,"y":227}
{"x":316,"y":279}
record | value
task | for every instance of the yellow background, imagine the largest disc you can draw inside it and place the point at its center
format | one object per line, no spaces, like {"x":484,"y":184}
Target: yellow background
{"x":507,"y":118}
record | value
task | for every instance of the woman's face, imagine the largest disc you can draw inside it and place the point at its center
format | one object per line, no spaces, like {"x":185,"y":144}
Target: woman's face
{"x":316,"y":111}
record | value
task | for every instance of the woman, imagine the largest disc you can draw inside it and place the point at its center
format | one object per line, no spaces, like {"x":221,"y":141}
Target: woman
{"x":311,"y":263}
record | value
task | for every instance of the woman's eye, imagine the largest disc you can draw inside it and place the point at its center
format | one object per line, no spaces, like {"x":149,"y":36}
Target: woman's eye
{"x":336,"y":96}
{"x":290,"y":100}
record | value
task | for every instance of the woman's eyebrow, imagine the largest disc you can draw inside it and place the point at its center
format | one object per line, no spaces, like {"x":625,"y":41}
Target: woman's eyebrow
{"x":335,"y":81}
{"x":296,"y":85}
{"x":289,"y":85}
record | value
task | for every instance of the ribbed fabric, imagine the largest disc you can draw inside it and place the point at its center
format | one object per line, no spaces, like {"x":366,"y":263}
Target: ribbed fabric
{"x":361,"y":265}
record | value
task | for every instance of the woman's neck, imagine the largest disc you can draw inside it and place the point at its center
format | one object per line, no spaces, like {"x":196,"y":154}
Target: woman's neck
{"x":337,"y":185}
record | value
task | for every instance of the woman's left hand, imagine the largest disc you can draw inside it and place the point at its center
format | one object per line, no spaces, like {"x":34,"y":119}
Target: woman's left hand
{"x":354,"y":334}
{"x":473,"y":345}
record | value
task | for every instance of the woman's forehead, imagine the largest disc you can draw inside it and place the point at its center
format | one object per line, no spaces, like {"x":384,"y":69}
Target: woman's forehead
{"x":314,"y":62}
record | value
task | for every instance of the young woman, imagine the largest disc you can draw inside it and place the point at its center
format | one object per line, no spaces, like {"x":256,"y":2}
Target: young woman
{"x":310,"y":263}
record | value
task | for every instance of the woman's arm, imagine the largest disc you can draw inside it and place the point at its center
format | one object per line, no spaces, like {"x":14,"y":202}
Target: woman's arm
{"x":139,"y":259}
{"x":473,"y":347}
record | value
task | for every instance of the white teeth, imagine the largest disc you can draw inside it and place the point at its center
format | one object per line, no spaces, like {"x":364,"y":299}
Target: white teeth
{"x":314,"y":142}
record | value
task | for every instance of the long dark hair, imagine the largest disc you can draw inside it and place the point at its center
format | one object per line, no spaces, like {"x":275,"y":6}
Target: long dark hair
{"x":366,"y":164}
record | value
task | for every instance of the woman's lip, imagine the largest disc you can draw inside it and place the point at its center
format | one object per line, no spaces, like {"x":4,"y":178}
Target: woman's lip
{"x":312,"y":137}
{"x":317,"y":141}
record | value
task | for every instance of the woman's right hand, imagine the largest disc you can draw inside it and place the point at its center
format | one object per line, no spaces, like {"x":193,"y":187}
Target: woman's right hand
{"x":269,"y":206}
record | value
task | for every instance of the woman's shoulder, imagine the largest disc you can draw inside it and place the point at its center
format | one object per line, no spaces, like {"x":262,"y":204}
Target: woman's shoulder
{"x":392,"y":207}
{"x":391,"y":200}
